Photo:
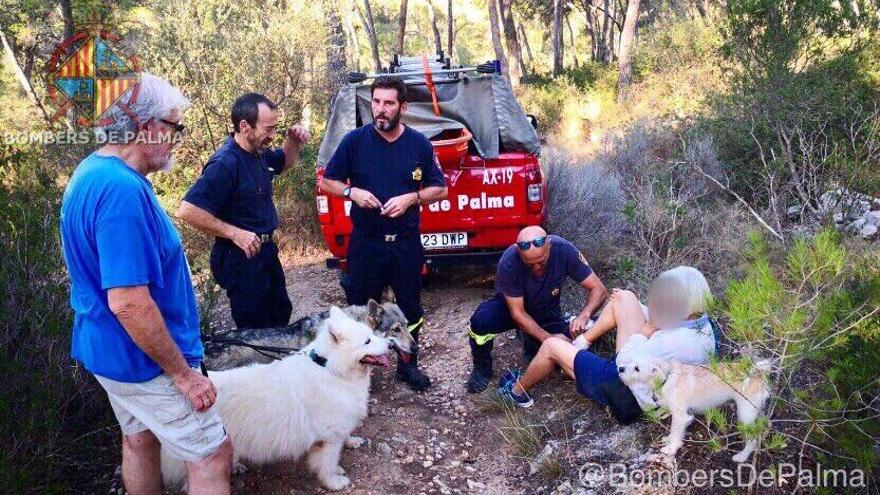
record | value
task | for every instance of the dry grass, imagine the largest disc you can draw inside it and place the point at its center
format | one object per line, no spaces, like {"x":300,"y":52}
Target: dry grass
{"x":551,"y":468}
{"x":585,"y":203}
{"x":521,"y":432}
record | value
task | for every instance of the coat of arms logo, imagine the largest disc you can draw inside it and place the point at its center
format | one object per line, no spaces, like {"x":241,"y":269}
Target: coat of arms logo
{"x":88,"y":74}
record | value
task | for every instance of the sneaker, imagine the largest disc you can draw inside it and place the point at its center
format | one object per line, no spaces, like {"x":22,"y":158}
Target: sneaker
{"x":505,"y":389}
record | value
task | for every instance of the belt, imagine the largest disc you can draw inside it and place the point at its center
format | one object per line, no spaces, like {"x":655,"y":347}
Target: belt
{"x":267,"y":237}
{"x":390,"y":237}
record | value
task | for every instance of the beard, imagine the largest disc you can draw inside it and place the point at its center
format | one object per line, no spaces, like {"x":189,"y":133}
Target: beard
{"x":164,"y":163}
{"x":388,"y":126}
{"x":260,"y":144}
{"x":168,"y":165}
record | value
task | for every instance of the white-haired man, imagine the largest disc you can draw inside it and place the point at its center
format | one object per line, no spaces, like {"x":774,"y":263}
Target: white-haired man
{"x":136,"y":325}
{"x":672,"y":327}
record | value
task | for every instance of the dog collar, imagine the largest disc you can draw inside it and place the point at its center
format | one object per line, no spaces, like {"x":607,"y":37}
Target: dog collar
{"x":319,"y":360}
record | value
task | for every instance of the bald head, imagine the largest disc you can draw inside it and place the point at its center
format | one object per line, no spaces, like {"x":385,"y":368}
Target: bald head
{"x":531,"y":232}
{"x":534,"y":257}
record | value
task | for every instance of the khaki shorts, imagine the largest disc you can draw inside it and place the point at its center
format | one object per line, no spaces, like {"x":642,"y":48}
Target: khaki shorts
{"x":157,"y":405}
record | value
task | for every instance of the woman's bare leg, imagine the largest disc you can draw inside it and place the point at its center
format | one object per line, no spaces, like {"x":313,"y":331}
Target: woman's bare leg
{"x":553,"y":352}
{"x":605,"y":322}
{"x":623,"y":312}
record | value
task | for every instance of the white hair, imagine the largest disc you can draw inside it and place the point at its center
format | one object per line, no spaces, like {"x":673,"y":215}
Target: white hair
{"x":155,"y":99}
{"x":688,"y":287}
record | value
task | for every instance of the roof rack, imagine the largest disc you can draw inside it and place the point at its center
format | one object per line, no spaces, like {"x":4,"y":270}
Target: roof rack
{"x":412,"y":69}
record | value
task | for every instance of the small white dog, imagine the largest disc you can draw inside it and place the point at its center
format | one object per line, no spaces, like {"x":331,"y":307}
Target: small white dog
{"x":307,"y":403}
{"x":691,"y":389}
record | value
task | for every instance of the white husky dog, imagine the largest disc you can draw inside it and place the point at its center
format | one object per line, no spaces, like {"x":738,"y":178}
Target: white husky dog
{"x":690,"y":389}
{"x":307,"y":403}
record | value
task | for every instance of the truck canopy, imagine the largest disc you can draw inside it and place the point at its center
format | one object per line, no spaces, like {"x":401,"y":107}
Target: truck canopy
{"x":484,"y":104}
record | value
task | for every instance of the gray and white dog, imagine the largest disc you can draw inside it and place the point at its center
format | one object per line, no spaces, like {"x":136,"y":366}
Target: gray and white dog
{"x":222,"y":350}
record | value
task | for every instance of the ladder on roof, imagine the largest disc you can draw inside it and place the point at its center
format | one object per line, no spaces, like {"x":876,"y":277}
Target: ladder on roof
{"x":413,"y":71}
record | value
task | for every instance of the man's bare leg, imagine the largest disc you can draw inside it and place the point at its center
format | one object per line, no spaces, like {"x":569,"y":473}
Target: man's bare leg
{"x":553,"y":352}
{"x":211,"y":475}
{"x":141,"y":472}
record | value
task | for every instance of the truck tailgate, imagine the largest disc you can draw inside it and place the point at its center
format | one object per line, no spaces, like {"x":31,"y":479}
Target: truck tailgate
{"x":488,"y":203}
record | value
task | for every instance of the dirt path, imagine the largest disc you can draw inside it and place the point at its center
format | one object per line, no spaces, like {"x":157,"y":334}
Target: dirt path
{"x":437,"y":442}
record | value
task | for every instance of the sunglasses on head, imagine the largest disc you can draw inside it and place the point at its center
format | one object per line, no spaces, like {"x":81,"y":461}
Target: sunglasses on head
{"x":537,"y":242}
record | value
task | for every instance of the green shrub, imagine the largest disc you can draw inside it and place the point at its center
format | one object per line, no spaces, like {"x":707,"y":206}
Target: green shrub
{"x":674,"y":46}
{"x":815,"y":310}
{"x":54,"y":422}
{"x":804,"y":77}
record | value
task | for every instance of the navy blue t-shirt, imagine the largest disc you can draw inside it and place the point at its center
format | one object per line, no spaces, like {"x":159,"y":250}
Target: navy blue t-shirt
{"x":386,"y":170}
{"x":541,"y":295}
{"x":236,"y":187}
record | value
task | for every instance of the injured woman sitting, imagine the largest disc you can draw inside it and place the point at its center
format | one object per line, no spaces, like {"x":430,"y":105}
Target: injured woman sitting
{"x":673,"y":326}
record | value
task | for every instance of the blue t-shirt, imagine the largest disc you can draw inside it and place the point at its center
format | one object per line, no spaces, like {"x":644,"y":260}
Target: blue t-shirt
{"x":541,"y":295}
{"x":386,"y":170}
{"x":115,"y":233}
{"x":236,"y":187}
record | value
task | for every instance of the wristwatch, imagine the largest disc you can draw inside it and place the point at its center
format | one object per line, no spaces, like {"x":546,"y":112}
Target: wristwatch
{"x":347,"y":192}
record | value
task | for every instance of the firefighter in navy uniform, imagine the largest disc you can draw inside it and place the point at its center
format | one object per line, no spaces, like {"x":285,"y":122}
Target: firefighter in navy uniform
{"x":232,"y":200}
{"x":528,"y":285}
{"x":392,"y":170}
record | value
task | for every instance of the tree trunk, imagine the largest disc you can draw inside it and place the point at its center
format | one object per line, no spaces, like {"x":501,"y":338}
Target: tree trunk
{"x":496,"y":37}
{"x":702,"y":8}
{"x":67,"y":14}
{"x":606,"y":25}
{"x":587,"y":5}
{"x":371,"y":33}
{"x":353,"y":41}
{"x":335,"y":47}
{"x":556,"y":37}
{"x":22,"y":79}
{"x":612,"y":52}
{"x":627,"y":36}
{"x":401,"y":27}
{"x":432,"y":16}
{"x":450,"y":30}
{"x":574,"y":57}
{"x":524,"y":41}
{"x":514,"y":53}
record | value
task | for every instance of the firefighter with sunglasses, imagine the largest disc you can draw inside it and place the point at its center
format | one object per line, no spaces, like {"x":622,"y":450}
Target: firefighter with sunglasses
{"x":528,"y":286}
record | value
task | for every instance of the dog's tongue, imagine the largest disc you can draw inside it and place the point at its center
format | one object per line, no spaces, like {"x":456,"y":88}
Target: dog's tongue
{"x":404,"y":356}
{"x":376,"y":360}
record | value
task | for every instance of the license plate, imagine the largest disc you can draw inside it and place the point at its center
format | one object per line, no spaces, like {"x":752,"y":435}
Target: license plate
{"x":444,"y":240}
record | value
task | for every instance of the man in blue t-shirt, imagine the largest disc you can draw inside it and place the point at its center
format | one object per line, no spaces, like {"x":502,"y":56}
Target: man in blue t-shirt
{"x":528,"y":286}
{"x":232,"y":200}
{"x":387,"y":170}
{"x":136,"y":323}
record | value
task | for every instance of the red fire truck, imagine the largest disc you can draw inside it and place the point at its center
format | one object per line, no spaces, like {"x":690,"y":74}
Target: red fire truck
{"x":488,"y":151}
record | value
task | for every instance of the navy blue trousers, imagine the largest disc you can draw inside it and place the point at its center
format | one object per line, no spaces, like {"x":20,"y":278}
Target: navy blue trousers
{"x":374,"y":263}
{"x":492,"y":317}
{"x":256,"y":287}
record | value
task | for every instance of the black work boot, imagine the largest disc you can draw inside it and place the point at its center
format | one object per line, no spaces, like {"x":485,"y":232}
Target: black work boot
{"x":409,"y":372}
{"x":482,"y":372}
{"x":530,"y":349}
